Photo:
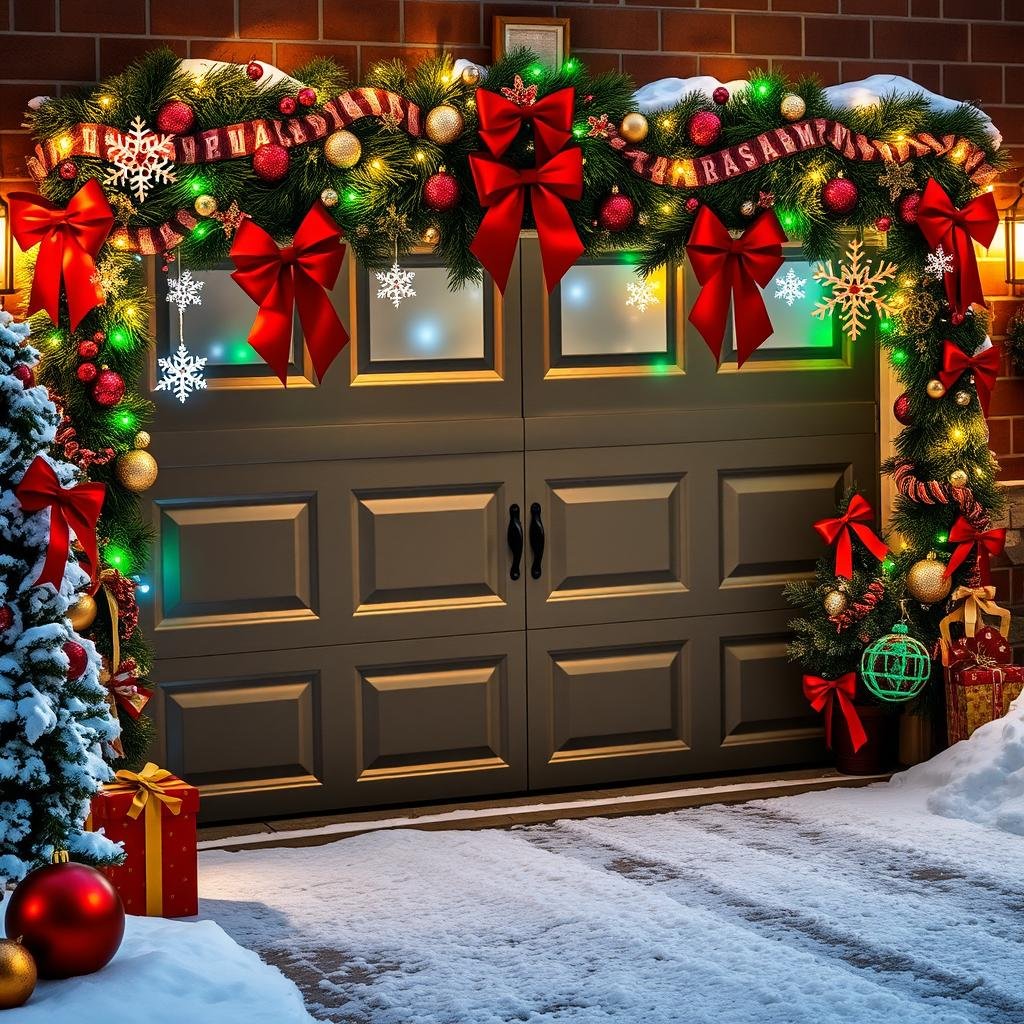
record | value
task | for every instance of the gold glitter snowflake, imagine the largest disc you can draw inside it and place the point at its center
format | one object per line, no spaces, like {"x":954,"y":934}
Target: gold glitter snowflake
{"x":856,"y":290}
{"x":230,"y":218}
{"x":394,"y":224}
{"x":898,"y":178}
{"x":917,"y":310}
{"x":109,"y":276}
{"x":124,"y":209}
{"x":389,"y":122}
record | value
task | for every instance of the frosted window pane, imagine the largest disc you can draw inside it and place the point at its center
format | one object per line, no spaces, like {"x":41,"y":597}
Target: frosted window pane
{"x":436,"y":324}
{"x":596,"y":320}
{"x":795,"y":328}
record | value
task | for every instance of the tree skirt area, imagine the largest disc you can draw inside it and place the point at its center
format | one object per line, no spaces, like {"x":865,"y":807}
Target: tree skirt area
{"x":863,"y":906}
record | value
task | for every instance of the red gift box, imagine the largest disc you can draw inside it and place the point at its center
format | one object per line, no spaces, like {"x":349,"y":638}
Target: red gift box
{"x":980,"y":681}
{"x":154,"y":814}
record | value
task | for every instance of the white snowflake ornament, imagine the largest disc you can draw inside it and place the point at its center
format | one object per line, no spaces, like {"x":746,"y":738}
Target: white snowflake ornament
{"x":642,"y":294}
{"x":937,"y":264}
{"x":855,"y":290}
{"x":182,"y":373}
{"x":184,"y":290}
{"x":141,"y":159}
{"x":395,"y":284}
{"x":791,"y":287}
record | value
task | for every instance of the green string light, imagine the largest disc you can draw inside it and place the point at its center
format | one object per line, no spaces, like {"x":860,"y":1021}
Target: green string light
{"x":197,"y":186}
{"x":942,"y":538}
{"x":762,"y":87}
{"x":898,"y":356}
{"x":119,"y":338}
{"x":117,"y":557}
{"x":125,"y":420}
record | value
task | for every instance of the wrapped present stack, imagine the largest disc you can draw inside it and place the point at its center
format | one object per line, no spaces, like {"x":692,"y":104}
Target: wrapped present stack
{"x":981,"y":679}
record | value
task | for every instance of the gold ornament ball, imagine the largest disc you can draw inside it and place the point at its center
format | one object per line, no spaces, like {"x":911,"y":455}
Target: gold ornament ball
{"x":749,"y":208}
{"x":444,"y":124}
{"x":137,"y":470}
{"x":431,"y":235}
{"x":935,"y":388}
{"x":329,"y":197}
{"x":206,"y":206}
{"x":925,"y":581}
{"x":82,"y":614}
{"x":17,"y":974}
{"x":141,"y":439}
{"x":634,"y":127}
{"x":792,"y":107}
{"x":470,"y":75}
{"x":342,"y":149}
{"x":835,"y":603}
{"x":963,"y":398}
{"x":958,"y":478}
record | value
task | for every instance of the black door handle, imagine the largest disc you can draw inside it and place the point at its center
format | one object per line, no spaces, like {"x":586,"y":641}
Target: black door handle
{"x":515,"y":540}
{"x":536,"y":540}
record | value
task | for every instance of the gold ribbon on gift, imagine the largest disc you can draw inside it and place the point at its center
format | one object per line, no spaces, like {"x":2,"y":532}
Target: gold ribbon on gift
{"x":975,"y":603}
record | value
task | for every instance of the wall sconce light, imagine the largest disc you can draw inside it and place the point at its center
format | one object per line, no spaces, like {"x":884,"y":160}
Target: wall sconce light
{"x":6,"y":253}
{"x":1013,"y":225}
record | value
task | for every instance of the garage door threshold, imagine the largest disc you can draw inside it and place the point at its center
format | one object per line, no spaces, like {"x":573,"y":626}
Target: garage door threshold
{"x":503,"y":812}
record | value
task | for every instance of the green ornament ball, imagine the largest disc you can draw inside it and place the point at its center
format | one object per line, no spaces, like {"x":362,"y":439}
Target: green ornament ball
{"x":895,"y":667}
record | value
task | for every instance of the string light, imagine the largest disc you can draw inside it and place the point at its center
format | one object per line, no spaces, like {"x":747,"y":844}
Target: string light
{"x":376,"y":165}
{"x":106,"y":100}
{"x":64,"y":143}
{"x":898,"y":357}
{"x":420,"y":156}
{"x":55,"y":339}
{"x":762,"y":87}
{"x":117,"y":557}
{"x":956,"y":435}
{"x":666,"y":124}
{"x":888,"y":565}
{"x":119,"y":338}
{"x":125,"y":420}
{"x":941,"y":538}
{"x":886,"y":326}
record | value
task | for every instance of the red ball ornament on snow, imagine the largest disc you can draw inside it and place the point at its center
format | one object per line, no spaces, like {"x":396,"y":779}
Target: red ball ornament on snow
{"x":88,"y":350}
{"x":616,"y":213}
{"x":68,"y":170}
{"x":25,"y":374}
{"x":69,"y":917}
{"x":901,"y":410}
{"x":175,"y":117}
{"x":107,"y":388}
{"x":839,"y":195}
{"x":287,"y":105}
{"x":307,"y":97}
{"x":271,"y":161}
{"x":721,"y":95}
{"x":883,"y":223}
{"x":254,"y":69}
{"x":908,"y":207}
{"x":704,"y":128}
{"x":87,"y":372}
{"x":78,"y":660}
{"x":6,"y":617}
{"x":441,"y":191}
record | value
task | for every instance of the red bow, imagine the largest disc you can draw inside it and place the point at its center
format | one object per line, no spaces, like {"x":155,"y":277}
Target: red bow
{"x":984,"y":365}
{"x":943,"y":224}
{"x":729,"y":268}
{"x":823,"y":693}
{"x":70,"y":239}
{"x":281,"y":279}
{"x":500,"y":121}
{"x":965,"y":536}
{"x":857,"y":514}
{"x":502,"y":190}
{"x":71,"y":509}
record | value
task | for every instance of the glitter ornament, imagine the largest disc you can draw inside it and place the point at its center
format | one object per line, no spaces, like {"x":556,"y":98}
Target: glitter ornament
{"x":470,"y":75}
{"x":82,"y":614}
{"x":441,"y":191}
{"x":958,"y":478}
{"x":957,"y":319}
{"x":25,"y":375}
{"x":175,"y":117}
{"x":792,"y":107}
{"x":692,"y":204}
{"x":329,"y":197}
{"x":254,"y":69}
{"x":342,"y":149}
{"x":616,"y":212}
{"x":287,"y":105}
{"x":270,"y":161}
{"x":901,"y":410}
{"x":444,"y":124}
{"x":721,"y":95}
{"x":6,"y":617}
{"x":99,"y":337}
{"x":78,"y":660}
{"x":908,"y":207}
{"x":704,"y":128}
{"x":431,"y":235}
{"x":927,"y":582}
{"x":895,"y":667}
{"x":205,"y":206}
{"x":68,"y":170}
{"x":839,"y":195}
{"x":883,"y":223}
{"x":87,"y":372}
{"x":108,"y":387}
{"x":835,"y":603}
{"x":17,"y":974}
{"x":307,"y":97}
{"x":634,"y":127}
{"x":962,"y":398}
{"x":88,"y":350}
{"x":136,"y":470}
{"x":935,"y":388}
{"x":749,"y":208}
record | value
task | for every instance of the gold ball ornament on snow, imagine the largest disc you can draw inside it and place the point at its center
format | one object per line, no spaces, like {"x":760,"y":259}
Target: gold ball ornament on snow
{"x":835,"y":603}
{"x":206,"y":206}
{"x":925,"y":580}
{"x":935,"y":388}
{"x":444,"y":124}
{"x":17,"y":974}
{"x":136,"y":470}
{"x":82,"y":614}
{"x":958,"y":478}
{"x":470,"y":75}
{"x":792,"y":107}
{"x":342,"y":149}
{"x":634,"y":127}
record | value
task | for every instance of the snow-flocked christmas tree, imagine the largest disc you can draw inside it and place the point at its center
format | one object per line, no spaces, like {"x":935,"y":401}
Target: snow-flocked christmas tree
{"x":52,"y":728}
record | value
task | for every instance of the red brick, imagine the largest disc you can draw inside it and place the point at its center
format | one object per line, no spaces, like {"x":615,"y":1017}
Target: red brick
{"x":174,"y":18}
{"x":997,"y":43}
{"x":35,"y":15}
{"x":649,"y":67}
{"x":413,"y":55}
{"x":697,"y":32}
{"x":122,"y":16}
{"x":807,"y":6}
{"x":599,"y":61}
{"x":928,"y":40}
{"x":736,"y":5}
{"x":274,"y":19}
{"x":896,"y":8}
{"x":855,"y":70}
{"x":1008,"y":398}
{"x":1018,"y":437}
{"x":14,"y":102}
{"x":975,"y":82}
{"x":615,"y":29}
{"x":826,"y":71}
{"x":442,"y":23}
{"x":1010,"y":121}
{"x":118,"y":52}
{"x":236,"y":51}
{"x":650,"y":3}
{"x":291,"y":56}
{"x":774,"y":33}
{"x":1000,"y":433}
{"x":373,"y":20}
{"x":833,"y":37}
{"x":976,"y":10}
{"x":928,"y":76}
{"x":725,"y":69}
{"x":13,"y":151}
{"x":516,"y":11}
{"x":1011,"y":469}
{"x":925,"y":9}
{"x":45,"y":58}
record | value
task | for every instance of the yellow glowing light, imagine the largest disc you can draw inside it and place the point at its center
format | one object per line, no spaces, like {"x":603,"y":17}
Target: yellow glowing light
{"x":471,"y":103}
{"x":956,"y":434}
{"x":666,"y":208}
{"x":64,"y":143}
{"x":908,"y":281}
{"x":376,"y":165}
{"x":667,"y":124}
{"x":958,"y":154}
{"x":420,"y":156}
{"x":106,"y":100}
{"x":816,"y":176}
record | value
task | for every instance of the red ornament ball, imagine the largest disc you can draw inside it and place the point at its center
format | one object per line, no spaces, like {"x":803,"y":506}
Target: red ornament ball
{"x":692,"y":204}
{"x":909,"y":206}
{"x":68,"y":170}
{"x":69,"y":917}
{"x":441,"y":191}
{"x":87,"y":372}
{"x":704,"y":128}
{"x":957,"y":319}
{"x":901,"y":410}
{"x":88,"y":350}
{"x":721,"y":95}
{"x":254,"y":69}
{"x":307,"y":97}
{"x":883,"y":223}
{"x":616,"y":213}
{"x":287,"y":105}
{"x":25,"y":374}
{"x":6,"y":617}
{"x":839,"y":195}
{"x":78,"y":661}
{"x":271,"y":161}
{"x":99,"y":337}
{"x":108,"y":388}
{"x":175,"y":117}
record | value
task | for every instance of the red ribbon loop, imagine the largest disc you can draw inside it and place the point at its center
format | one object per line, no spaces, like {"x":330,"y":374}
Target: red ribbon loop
{"x":733,"y":269}
{"x":280,"y":280}
{"x":500,"y":121}
{"x":68,"y":241}
{"x":72,"y":509}
{"x":502,"y":191}
{"x":943,"y":224}
{"x":988,"y":542}
{"x":823,"y":693}
{"x":984,"y":365}
{"x":837,"y":531}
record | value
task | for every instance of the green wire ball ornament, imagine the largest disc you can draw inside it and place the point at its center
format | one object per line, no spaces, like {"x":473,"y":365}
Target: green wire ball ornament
{"x":895,"y":667}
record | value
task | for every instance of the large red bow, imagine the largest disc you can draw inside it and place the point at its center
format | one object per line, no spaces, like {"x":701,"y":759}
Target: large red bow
{"x":71,"y":509}
{"x":984,"y":365}
{"x":823,"y":693}
{"x":500,"y":121}
{"x":943,"y":224}
{"x":70,"y":239}
{"x":988,"y":542}
{"x":282,"y":279}
{"x":733,"y":268}
{"x":502,"y":190}
{"x":837,"y":531}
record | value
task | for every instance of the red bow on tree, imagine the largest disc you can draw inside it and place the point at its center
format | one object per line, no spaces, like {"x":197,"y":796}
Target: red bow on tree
{"x":500,"y":121}
{"x":733,"y":269}
{"x":943,"y":224}
{"x":984,"y":365}
{"x":298,"y":276}
{"x":502,"y":191}
{"x":988,"y":542}
{"x":837,"y":531}
{"x":72,"y":509}
{"x":70,"y":239}
{"x":823,"y":693}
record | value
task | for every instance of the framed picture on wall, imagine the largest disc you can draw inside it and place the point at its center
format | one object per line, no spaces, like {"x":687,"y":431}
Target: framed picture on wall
{"x":547,"y":37}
